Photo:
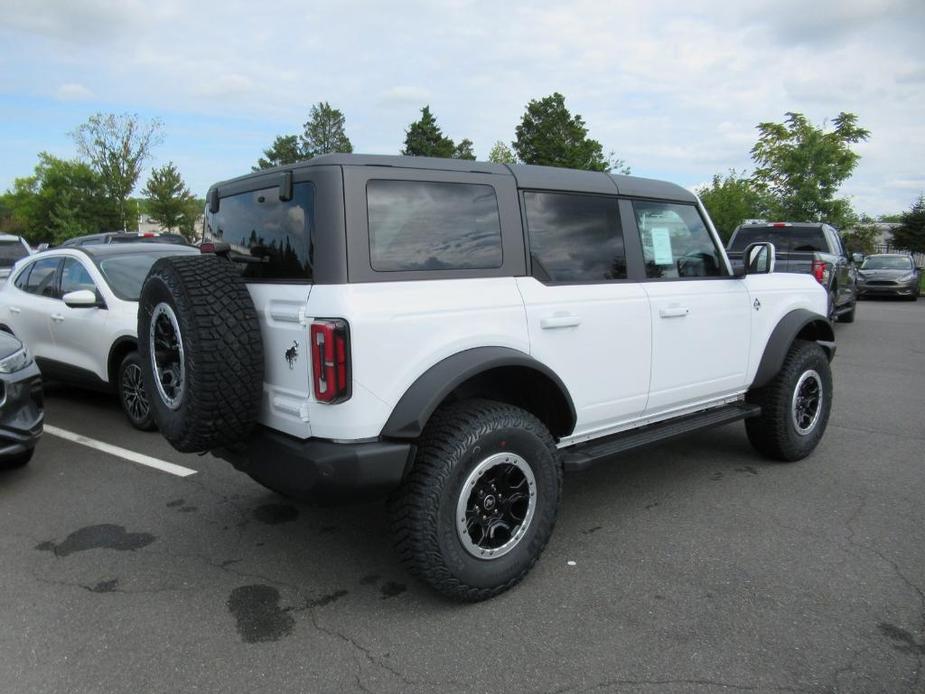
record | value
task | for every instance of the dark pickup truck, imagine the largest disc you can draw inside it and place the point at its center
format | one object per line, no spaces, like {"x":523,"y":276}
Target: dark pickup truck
{"x":809,"y":248}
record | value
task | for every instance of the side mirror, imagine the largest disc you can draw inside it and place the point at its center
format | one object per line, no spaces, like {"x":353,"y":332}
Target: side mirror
{"x":857,"y":258}
{"x":759,"y":258}
{"x":82,"y":298}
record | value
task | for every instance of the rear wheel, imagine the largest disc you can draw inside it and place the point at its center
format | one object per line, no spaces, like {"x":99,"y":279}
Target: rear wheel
{"x":795,"y":406}
{"x":132,"y":394}
{"x":480,"y":503}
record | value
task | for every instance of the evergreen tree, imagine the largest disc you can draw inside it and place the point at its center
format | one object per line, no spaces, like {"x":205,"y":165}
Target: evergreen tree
{"x":425,"y":139}
{"x":324,"y":132}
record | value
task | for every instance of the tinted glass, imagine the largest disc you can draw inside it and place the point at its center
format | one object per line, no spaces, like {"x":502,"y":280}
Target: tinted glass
{"x":785,"y":239}
{"x":275,"y":235}
{"x":126,"y":273}
{"x":676,"y":242}
{"x":74,"y":276}
{"x":887,"y":262}
{"x":23,"y":277}
{"x":415,"y":225}
{"x":807,"y":239}
{"x":744,"y":237}
{"x":10,"y":252}
{"x":42,"y":278}
{"x":575,"y":238}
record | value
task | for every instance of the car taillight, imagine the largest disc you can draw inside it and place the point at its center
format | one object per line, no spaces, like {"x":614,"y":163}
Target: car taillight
{"x":207,"y":247}
{"x":820,"y":271}
{"x":330,"y":349}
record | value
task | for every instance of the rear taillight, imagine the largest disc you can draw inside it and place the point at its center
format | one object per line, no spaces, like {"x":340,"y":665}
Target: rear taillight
{"x":330,"y":348}
{"x":820,"y":270}
{"x":207,"y":247}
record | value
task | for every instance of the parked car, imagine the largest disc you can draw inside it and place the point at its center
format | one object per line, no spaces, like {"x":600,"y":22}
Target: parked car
{"x":889,"y":274}
{"x":123,"y":237}
{"x":12,"y":249}
{"x":21,"y":409}
{"x":809,"y":248}
{"x":76,"y":309}
{"x":455,"y":334}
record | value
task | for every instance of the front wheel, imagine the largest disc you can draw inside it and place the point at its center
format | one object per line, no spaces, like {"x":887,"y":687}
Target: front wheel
{"x":795,"y":406}
{"x":478,"y":506}
{"x":132,"y":394}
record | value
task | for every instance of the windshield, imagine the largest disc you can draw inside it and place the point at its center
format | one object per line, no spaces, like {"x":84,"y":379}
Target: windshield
{"x":11,"y":251}
{"x":785,"y":239}
{"x":887,"y":262}
{"x":126,"y":273}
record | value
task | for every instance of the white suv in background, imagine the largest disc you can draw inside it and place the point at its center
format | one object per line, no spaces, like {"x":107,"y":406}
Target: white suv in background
{"x":76,"y":310}
{"x":456,"y":334}
{"x":12,"y":250}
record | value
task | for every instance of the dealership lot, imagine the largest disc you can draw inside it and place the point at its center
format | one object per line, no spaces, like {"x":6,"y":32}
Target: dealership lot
{"x":694,"y":566}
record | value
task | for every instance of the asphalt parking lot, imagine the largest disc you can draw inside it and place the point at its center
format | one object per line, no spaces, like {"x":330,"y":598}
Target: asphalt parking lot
{"x":692,"y":567}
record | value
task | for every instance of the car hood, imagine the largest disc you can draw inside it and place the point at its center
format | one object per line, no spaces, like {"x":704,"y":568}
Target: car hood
{"x":8,"y":345}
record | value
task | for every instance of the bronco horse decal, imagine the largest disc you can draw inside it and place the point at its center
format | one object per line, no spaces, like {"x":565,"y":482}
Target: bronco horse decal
{"x":292,"y":353}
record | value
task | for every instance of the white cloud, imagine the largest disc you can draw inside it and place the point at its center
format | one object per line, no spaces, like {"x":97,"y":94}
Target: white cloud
{"x":404,"y":95}
{"x":72,"y":91}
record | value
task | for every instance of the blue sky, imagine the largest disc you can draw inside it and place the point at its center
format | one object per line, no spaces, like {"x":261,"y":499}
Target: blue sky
{"x":675,"y":92}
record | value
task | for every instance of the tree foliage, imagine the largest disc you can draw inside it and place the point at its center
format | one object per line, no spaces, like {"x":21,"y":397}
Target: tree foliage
{"x":117,"y":146}
{"x":324,"y":132}
{"x":285,"y":149}
{"x":167,"y":198}
{"x":549,"y":135}
{"x":862,"y":236}
{"x":62,"y":199}
{"x":910,"y":235}
{"x":464,"y":150}
{"x":800,"y":167}
{"x":730,"y":200}
{"x":424,"y":138}
{"x":502,"y":154}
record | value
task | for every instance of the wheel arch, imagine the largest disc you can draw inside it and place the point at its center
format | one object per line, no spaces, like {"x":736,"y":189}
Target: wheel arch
{"x":120,"y":348}
{"x":799,"y":324}
{"x":499,"y":373}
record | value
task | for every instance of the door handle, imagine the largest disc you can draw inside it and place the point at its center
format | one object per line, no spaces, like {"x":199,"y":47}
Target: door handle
{"x":57,"y":317}
{"x":560,"y":320}
{"x":674,"y":312}
{"x":15,"y":309}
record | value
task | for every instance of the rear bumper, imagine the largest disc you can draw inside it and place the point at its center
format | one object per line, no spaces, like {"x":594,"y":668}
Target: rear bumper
{"x":22,"y":414}
{"x":320,"y":470}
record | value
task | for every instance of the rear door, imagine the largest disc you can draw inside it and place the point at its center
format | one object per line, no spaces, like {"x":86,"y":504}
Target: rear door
{"x":701,"y":315}
{"x":588,"y":318}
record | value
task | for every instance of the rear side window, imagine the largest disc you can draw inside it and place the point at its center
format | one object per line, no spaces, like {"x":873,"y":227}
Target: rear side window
{"x":675,"y":241}
{"x":275,"y":235}
{"x":418,"y":225}
{"x":575,"y":238}
{"x":41,"y":280}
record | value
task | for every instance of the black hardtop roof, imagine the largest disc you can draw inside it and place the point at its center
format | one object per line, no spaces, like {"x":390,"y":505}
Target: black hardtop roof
{"x":527,"y":176}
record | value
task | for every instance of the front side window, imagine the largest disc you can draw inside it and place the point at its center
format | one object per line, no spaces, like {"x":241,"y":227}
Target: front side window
{"x":41,"y":279}
{"x":74,"y":277}
{"x":676,"y":242}
{"x":423,"y":225}
{"x":575,"y":238}
{"x":274,"y":235}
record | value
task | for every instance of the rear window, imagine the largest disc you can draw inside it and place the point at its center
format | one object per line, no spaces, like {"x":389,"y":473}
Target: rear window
{"x":785,"y":239}
{"x":10,"y":252}
{"x":274,"y":236}
{"x":418,"y":225}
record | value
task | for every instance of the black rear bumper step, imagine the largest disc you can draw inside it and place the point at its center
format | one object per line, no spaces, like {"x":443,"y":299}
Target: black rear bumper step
{"x":584,"y":455}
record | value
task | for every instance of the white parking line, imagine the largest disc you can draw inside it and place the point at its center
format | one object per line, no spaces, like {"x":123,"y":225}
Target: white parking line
{"x":125,"y":453}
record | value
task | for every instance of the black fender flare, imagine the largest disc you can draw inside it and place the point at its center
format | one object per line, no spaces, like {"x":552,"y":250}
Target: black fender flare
{"x":782,"y":337}
{"x":418,"y":403}
{"x":118,"y":344}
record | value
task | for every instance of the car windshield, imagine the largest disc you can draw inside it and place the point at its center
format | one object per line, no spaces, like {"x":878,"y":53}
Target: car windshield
{"x":887,"y":262}
{"x":11,"y":251}
{"x":126,"y":273}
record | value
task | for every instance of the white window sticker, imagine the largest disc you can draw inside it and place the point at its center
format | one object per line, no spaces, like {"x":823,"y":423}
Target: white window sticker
{"x":661,"y":246}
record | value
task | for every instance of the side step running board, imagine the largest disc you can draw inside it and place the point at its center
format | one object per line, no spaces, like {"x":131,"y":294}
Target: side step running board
{"x":582,"y":456}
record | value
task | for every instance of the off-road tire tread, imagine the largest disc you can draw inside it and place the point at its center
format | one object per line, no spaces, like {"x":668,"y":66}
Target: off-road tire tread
{"x":413,"y":508}
{"x":221,"y":338}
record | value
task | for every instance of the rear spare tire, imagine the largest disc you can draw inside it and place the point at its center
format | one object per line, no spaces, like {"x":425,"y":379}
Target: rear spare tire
{"x":201,"y":352}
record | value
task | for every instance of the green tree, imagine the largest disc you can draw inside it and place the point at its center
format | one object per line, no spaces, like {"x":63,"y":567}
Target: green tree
{"x":910,"y":235}
{"x":285,"y":149}
{"x":323,"y":133}
{"x":423,"y":138}
{"x":800,"y":167}
{"x":167,"y":198}
{"x":862,"y":236}
{"x":502,"y":154}
{"x":117,"y":146}
{"x":551,"y":136}
{"x":464,"y":150}
{"x":730,"y":200}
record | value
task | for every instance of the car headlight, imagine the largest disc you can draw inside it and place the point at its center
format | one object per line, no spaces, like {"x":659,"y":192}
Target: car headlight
{"x":907,"y":278}
{"x":15,"y":362}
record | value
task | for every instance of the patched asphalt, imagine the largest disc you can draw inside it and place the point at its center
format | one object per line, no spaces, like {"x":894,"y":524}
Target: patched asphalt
{"x":695,"y":566}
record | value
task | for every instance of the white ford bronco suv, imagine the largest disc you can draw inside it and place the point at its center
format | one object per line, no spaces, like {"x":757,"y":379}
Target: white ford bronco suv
{"x":453,"y":335}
